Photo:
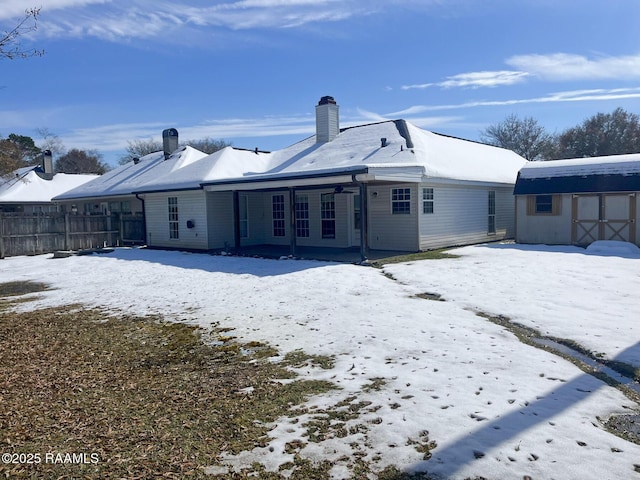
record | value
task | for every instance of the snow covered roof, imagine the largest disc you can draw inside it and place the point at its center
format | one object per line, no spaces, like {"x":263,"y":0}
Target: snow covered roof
{"x":127,"y":178}
{"x":615,"y":173}
{"x":387,"y":148}
{"x":29,"y":187}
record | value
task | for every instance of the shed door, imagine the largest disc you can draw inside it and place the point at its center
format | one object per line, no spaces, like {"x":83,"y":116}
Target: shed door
{"x":603,"y":217}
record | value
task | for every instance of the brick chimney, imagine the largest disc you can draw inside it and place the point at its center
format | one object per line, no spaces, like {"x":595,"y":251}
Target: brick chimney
{"x":327,"y":120}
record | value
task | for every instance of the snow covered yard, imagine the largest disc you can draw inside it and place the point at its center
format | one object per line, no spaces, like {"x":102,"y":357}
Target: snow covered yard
{"x":495,"y":407}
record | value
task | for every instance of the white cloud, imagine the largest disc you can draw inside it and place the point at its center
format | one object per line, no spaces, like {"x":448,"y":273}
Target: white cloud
{"x":564,"y":66}
{"x":558,"y":97}
{"x":476,"y":80}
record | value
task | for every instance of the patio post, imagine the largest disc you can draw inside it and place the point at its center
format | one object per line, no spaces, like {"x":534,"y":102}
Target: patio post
{"x":364,"y":223}
{"x":292,"y":220}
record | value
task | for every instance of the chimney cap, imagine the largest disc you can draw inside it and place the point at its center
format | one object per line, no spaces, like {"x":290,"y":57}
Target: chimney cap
{"x":326,"y":100}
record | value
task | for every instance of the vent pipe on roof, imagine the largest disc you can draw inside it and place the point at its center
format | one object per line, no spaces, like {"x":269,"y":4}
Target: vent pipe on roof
{"x":169,"y":141}
{"x":383,"y":142}
{"x":136,"y":160}
{"x":327,"y":120}
{"x":47,"y":165}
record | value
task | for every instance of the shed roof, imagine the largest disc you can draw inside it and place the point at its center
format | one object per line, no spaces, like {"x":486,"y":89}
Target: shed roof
{"x":614,"y":173}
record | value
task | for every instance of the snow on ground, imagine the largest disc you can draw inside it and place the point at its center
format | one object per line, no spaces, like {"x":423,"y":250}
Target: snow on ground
{"x":496,"y":408}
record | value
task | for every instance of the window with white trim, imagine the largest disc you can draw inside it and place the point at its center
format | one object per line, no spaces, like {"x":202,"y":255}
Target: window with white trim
{"x":174,"y":223}
{"x":278,"y":215}
{"x":328,"y":215}
{"x":401,"y":201}
{"x":427,"y":200}
{"x":491,"y":207}
{"x":302,"y":216}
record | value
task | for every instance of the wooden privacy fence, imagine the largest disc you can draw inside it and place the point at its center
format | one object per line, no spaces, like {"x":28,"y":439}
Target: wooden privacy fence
{"x":36,"y":234}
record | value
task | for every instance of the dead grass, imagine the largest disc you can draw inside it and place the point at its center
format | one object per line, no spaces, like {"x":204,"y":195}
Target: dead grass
{"x":88,"y":395}
{"x":410,"y":257}
{"x":150,"y":399}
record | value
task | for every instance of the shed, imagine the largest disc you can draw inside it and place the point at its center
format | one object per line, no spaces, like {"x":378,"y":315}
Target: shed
{"x":578,"y":201}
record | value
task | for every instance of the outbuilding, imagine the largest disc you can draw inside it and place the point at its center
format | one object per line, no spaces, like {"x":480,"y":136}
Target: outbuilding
{"x":578,"y":201}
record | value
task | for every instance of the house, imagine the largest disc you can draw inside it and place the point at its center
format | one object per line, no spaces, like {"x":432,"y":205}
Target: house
{"x":579,"y":201}
{"x":384,"y":186}
{"x":112,"y":192}
{"x":30,"y":190}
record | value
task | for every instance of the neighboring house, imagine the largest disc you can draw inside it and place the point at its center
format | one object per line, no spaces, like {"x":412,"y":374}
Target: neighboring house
{"x":384,"y":186}
{"x":579,"y":201}
{"x":112,"y":192}
{"x":30,"y":190}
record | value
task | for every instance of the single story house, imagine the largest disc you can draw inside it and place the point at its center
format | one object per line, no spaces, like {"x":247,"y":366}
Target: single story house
{"x":384,"y":186}
{"x":30,"y":190}
{"x":579,"y":201}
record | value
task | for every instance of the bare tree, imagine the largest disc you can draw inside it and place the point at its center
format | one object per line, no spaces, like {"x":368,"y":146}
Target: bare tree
{"x":10,"y":46}
{"x":51,"y":142}
{"x":208,"y":145}
{"x":140,"y":148}
{"x":524,"y":136}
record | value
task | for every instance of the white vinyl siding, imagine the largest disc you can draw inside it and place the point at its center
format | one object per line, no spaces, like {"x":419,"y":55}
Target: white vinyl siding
{"x":461,"y":216}
{"x":191,"y":206}
{"x":389,"y":231}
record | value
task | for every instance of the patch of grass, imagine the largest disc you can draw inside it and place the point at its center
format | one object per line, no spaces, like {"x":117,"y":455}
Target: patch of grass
{"x":428,"y":255}
{"x":9,"y":289}
{"x":150,"y":399}
{"x":300,"y":359}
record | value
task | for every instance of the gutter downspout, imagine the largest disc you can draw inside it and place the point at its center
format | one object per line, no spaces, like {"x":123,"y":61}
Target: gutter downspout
{"x":144,"y":218}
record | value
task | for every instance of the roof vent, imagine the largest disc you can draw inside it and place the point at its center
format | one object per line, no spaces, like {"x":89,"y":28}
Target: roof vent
{"x":136,"y":160}
{"x":327,"y":120}
{"x":169,"y":141}
{"x":383,"y":142}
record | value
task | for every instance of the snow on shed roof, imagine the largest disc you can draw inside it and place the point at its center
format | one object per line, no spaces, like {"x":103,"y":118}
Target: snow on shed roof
{"x":609,"y":165}
{"x":29,"y":187}
{"x":126,"y":179}
{"x":615,"y":173}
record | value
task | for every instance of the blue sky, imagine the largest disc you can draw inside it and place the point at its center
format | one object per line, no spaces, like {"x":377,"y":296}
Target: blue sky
{"x":252,"y":71}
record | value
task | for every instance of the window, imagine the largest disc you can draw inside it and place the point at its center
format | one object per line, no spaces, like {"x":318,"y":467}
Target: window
{"x":328,"y":215}
{"x":357,"y":218}
{"x":427,"y":200}
{"x":401,"y":200}
{"x":243,"y":206}
{"x":277,"y":208}
{"x":302,"y":216}
{"x":491,"y":228}
{"x":174,"y":225}
{"x":544,"y":204}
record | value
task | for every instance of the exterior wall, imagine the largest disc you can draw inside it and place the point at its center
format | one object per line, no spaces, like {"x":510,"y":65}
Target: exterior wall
{"x":461,"y":215}
{"x":191,"y":206}
{"x":546,"y":229}
{"x":389,"y":231}
{"x":558,"y":229}
{"x":220,"y":226}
